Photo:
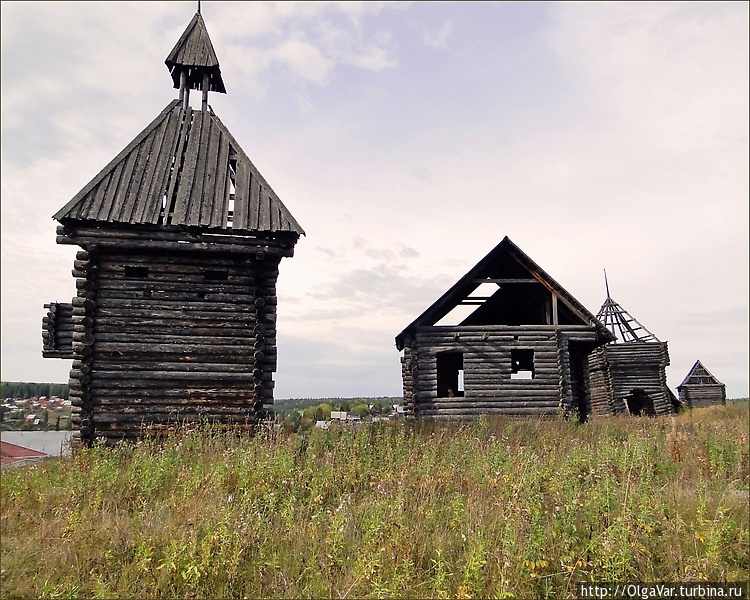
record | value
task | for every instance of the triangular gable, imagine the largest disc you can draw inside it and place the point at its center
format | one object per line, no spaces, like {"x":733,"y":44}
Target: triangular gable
{"x":194,"y":49}
{"x":517,"y":280}
{"x":213,"y":185}
{"x":699,"y":375}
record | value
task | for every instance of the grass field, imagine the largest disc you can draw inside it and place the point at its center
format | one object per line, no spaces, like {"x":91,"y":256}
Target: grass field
{"x":495,"y":508}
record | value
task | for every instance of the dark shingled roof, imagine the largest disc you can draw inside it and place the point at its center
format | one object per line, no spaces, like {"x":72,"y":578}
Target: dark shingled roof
{"x":699,"y":375}
{"x":184,"y":169}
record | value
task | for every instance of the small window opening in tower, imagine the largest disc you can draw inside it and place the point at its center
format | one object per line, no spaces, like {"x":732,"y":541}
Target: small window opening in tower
{"x":450,"y":374}
{"x":215,"y":275}
{"x":232,"y":177}
{"x":134,"y":272}
{"x":230,"y":213}
{"x":232,"y":187}
{"x":521,"y":364}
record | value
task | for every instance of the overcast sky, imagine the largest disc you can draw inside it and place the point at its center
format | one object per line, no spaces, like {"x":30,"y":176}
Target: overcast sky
{"x":408,"y":139}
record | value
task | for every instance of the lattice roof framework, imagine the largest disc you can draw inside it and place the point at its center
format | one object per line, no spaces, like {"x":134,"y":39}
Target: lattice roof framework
{"x":626,"y":327}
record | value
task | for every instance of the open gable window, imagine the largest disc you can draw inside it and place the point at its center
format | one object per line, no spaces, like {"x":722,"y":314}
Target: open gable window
{"x":232,"y":186}
{"x":522,"y":364}
{"x":450,"y":374}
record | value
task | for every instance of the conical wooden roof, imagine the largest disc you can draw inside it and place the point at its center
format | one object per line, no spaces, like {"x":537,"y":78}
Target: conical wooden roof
{"x":194,"y":54}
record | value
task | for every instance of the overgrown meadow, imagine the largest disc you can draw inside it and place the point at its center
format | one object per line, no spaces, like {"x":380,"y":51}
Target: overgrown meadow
{"x":495,"y":509}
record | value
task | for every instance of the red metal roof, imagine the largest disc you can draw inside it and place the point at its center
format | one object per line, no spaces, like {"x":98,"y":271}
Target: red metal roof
{"x":12,"y":453}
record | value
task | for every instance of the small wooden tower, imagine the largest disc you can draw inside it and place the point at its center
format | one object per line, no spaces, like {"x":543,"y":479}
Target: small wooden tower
{"x":181,"y":239}
{"x":700,"y":388}
{"x":521,"y":350}
{"x":629,"y":375}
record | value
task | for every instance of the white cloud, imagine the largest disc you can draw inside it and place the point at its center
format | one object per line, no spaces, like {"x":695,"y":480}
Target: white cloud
{"x":304,"y":60}
{"x":439,"y":38}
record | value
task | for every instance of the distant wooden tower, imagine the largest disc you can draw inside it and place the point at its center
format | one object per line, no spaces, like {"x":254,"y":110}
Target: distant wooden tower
{"x":522,"y":349}
{"x":700,"y":388}
{"x":629,"y":376}
{"x":175,"y":316}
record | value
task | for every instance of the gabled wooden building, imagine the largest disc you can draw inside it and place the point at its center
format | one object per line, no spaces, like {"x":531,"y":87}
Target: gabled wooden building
{"x":700,"y":388}
{"x":519,"y":346}
{"x":181,"y":239}
{"x":629,"y":376}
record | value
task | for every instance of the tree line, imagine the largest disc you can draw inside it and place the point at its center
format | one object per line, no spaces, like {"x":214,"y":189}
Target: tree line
{"x":27,"y":389}
{"x":300,"y":414}
{"x":286,"y":406}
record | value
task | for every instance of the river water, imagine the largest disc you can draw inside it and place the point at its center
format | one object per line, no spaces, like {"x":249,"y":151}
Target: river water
{"x":54,"y":443}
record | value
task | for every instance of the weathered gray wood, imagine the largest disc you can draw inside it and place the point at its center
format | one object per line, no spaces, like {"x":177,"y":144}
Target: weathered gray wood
{"x":208,"y":158}
{"x":196,"y":194}
{"x":220,"y":202}
{"x":254,"y":199}
{"x":190,"y":332}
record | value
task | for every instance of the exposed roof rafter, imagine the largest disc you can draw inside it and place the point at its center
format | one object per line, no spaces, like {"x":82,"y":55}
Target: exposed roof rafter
{"x":621,"y":323}
{"x":521,"y":286}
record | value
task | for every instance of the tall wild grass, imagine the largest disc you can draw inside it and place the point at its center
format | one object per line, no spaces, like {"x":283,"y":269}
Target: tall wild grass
{"x":493,"y":508}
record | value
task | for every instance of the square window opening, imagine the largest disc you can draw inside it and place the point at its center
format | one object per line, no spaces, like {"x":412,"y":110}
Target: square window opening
{"x":450,"y":374}
{"x":521,"y":364}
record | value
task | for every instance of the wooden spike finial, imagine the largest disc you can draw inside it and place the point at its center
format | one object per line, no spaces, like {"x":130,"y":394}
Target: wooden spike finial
{"x":606,"y":283}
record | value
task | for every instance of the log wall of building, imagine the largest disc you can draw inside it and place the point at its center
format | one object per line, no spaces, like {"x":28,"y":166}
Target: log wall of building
{"x":489,"y":388}
{"x":57,"y":331}
{"x":698,"y":396}
{"x":602,"y":387}
{"x":617,"y":370}
{"x":169,"y":336}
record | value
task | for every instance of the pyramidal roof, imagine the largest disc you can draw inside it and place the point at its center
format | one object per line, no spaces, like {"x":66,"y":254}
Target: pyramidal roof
{"x":700,"y":375}
{"x":626,"y":328}
{"x":185,"y":168}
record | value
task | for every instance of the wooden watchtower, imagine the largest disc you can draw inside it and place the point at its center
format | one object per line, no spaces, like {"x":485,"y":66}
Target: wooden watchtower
{"x":181,"y":239}
{"x":628,"y":376}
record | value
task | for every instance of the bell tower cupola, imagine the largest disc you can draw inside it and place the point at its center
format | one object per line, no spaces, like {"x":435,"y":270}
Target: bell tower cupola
{"x":193,"y":63}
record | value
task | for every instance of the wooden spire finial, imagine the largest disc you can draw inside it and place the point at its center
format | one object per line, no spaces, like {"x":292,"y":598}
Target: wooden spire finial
{"x":199,"y":6}
{"x":606,"y":283}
